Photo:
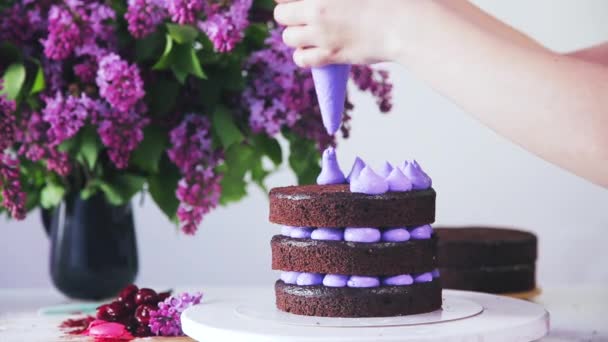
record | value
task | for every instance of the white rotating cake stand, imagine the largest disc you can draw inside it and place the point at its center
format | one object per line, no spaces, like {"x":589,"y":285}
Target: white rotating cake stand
{"x":249,"y":314}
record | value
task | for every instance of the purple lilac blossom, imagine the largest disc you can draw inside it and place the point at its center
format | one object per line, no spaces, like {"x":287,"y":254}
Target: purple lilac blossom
{"x":376,"y":82}
{"x":7,"y":121}
{"x":184,"y":11}
{"x":66,"y":115}
{"x":13,"y":198}
{"x":225,"y":28}
{"x":119,"y":83}
{"x":143,"y":16}
{"x":166,"y":320}
{"x":64,"y":34}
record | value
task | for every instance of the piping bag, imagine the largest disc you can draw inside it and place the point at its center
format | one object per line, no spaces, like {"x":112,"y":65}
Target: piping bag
{"x":330,"y":85}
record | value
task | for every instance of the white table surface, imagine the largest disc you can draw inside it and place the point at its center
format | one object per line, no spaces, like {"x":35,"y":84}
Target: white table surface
{"x":577,"y":314}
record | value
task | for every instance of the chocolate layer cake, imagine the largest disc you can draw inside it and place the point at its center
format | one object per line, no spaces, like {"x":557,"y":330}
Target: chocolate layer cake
{"x":486,"y":259}
{"x":337,"y":206}
{"x":362,"y":249}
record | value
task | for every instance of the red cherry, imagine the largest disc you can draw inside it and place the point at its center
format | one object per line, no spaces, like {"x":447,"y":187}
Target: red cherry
{"x":142,"y":313}
{"x":102,"y":312}
{"x":163,"y":295}
{"x":143,"y":331}
{"x":115,"y":311}
{"x":128,"y":293}
{"x":145,"y":296}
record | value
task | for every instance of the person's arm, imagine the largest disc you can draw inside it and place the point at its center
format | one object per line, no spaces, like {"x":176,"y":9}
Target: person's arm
{"x":555,"y":106}
{"x":595,"y":54}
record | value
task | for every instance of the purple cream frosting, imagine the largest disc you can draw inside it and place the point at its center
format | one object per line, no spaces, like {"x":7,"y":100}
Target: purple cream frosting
{"x":300,"y":232}
{"x":358,"y":165}
{"x":435,"y":273}
{"x":386,"y":169}
{"x":286,"y":230}
{"x":289,"y":277}
{"x":335,"y":280}
{"x":421,"y":233}
{"x":395,"y":235}
{"x":330,"y":170}
{"x":398,"y":280}
{"x":362,"y":234}
{"x":334,"y":234}
{"x":330,"y":85}
{"x":420,"y":180}
{"x":310,"y":279}
{"x":422,"y":278}
{"x":361,"y":281}
{"x":397,"y":181}
{"x":368,"y":182}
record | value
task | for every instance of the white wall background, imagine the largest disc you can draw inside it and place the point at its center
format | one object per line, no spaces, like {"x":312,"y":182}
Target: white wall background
{"x":479,"y":176}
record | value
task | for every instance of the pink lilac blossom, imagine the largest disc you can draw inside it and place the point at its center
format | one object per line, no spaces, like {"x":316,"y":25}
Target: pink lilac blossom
{"x":53,"y":75}
{"x":121,"y":132}
{"x":21,"y":24}
{"x":86,"y":70}
{"x":225,"y":28}
{"x":13,"y":197}
{"x":376,"y":82}
{"x":192,"y":152}
{"x":64,"y":34}
{"x":98,"y":33}
{"x":184,"y":11}
{"x":143,"y":16}
{"x":32,"y":135}
{"x":66,"y":115}
{"x":119,"y":83}
{"x":7,"y":121}
{"x":166,"y":320}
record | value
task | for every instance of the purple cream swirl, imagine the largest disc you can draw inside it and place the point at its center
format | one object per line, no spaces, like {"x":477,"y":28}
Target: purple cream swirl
{"x":358,"y":165}
{"x":300,"y":232}
{"x":397,"y":181}
{"x":335,"y":280}
{"x":330,"y":170}
{"x":422,"y":232}
{"x":368,"y":182}
{"x":386,"y":169}
{"x":362,"y":235}
{"x":398,"y":280}
{"x":305,"y":279}
{"x":395,"y":235}
{"x":331,"y":234}
{"x":361,"y":281}
{"x":286,"y":230}
{"x":420,"y":180}
{"x":289,"y":277}
{"x":423,"y":277}
{"x":435,"y":273}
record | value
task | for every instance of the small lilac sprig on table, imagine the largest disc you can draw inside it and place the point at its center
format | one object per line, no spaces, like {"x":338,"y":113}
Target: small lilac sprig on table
{"x":186,"y":100}
{"x":166,"y":320}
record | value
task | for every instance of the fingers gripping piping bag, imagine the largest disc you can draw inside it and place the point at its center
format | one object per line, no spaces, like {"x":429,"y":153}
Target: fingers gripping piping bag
{"x":330,"y":85}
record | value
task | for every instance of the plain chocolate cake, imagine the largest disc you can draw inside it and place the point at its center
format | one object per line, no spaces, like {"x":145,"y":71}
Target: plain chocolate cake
{"x":486,"y":259}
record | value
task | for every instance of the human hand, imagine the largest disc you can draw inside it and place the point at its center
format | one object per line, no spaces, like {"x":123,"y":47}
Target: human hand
{"x":344,"y":31}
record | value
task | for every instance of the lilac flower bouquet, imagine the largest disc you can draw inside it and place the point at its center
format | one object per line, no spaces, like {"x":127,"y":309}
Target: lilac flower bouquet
{"x":182,"y":99}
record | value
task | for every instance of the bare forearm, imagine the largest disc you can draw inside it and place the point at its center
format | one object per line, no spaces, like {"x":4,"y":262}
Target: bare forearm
{"x":555,"y":106}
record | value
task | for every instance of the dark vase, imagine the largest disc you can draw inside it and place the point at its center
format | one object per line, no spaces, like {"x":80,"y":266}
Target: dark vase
{"x":93,"y":247}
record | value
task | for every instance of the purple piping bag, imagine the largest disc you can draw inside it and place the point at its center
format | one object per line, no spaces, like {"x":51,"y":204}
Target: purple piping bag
{"x":330,"y":85}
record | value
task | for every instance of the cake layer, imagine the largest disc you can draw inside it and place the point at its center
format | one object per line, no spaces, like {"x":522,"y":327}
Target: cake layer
{"x":336,"y":206}
{"x":470,"y":247}
{"x":501,"y":279}
{"x":360,"y":258}
{"x":358,"y":302}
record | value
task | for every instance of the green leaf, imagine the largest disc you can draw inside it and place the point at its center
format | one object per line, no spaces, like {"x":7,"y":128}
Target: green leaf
{"x":264,"y":4}
{"x":150,"y":46}
{"x":184,"y":62}
{"x":238,"y":159}
{"x":165,"y":59}
{"x":162,"y":188}
{"x":182,"y":33}
{"x":39,"y":82}
{"x":233,"y":189}
{"x":148,"y":154}
{"x":224,"y":127}
{"x":269,"y":147}
{"x":162,"y":95}
{"x":259,"y":174}
{"x":120,"y":188}
{"x":14,"y":76}
{"x":304,"y":159}
{"x":51,"y":195}
{"x":255,"y":35}
{"x":90,"y":145}
{"x":89,"y":190}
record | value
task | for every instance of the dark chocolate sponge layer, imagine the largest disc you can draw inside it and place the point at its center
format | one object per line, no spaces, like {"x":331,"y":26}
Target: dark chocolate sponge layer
{"x":502,"y":279}
{"x":353,"y":258}
{"x":358,"y":302}
{"x":470,"y":247}
{"x":336,"y":206}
